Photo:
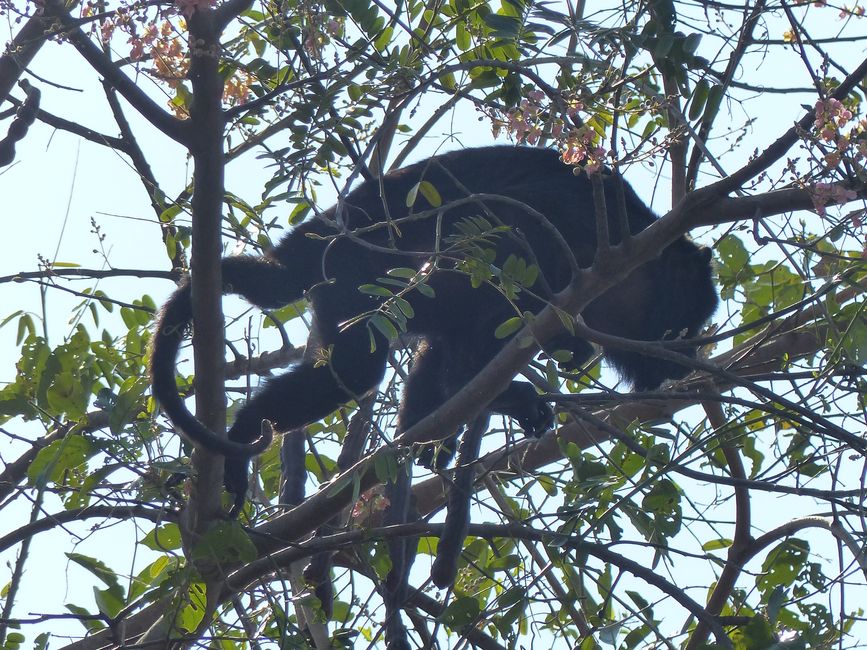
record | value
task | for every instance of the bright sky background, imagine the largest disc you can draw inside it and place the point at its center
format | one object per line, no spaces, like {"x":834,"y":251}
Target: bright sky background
{"x":59,"y":183}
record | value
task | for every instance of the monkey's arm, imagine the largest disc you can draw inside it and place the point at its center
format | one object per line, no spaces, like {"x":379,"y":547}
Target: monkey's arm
{"x":521,"y":402}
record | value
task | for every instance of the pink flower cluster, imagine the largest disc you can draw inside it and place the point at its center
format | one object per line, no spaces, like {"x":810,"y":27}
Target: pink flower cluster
{"x":856,"y":11}
{"x":524,"y":122}
{"x":831,"y":117}
{"x":528,"y":122}
{"x":579,"y":148}
{"x":188,"y":7}
{"x":831,"y":114}
{"x":825,"y":193}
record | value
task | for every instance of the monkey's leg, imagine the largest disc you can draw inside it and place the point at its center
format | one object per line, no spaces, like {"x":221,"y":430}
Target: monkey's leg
{"x":401,"y":551}
{"x":518,"y":401}
{"x":445,"y":566}
{"x":422,"y":394}
{"x":318,"y":572}
{"x":336,"y":368}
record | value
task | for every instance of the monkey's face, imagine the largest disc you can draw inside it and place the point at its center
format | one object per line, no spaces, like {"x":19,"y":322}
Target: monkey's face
{"x":669,"y":298}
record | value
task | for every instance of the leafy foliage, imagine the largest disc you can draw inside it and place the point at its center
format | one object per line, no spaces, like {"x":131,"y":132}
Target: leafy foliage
{"x":738,"y":495}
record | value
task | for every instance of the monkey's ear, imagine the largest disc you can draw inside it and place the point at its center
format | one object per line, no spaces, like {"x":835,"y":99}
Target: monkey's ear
{"x":705,"y":254}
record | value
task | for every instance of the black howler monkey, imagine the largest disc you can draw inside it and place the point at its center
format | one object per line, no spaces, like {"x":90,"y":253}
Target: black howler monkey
{"x":328,"y":258}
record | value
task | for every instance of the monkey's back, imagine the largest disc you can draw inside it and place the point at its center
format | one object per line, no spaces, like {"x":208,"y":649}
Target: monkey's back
{"x":374,"y":229}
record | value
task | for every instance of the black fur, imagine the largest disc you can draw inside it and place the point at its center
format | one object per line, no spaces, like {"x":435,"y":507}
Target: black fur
{"x":445,"y":565}
{"x":670,"y":296}
{"x":24,"y":118}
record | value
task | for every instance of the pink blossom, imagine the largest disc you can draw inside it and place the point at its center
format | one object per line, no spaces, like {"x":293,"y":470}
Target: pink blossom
{"x":333,"y":27}
{"x":825,"y":193}
{"x":573,"y":108}
{"x":819,"y":107}
{"x":106,"y":29}
{"x":189,"y":7}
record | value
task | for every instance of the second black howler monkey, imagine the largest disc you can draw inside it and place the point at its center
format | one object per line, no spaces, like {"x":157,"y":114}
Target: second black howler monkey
{"x":480,"y":219}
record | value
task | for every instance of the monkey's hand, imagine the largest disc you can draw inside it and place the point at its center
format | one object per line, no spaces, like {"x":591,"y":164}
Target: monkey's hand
{"x":235,"y":480}
{"x":537,"y":420}
{"x":580,"y":350}
{"x":438,"y":456}
{"x":521,"y":402}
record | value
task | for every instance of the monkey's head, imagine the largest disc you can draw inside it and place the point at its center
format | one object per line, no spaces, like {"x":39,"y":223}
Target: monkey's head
{"x":674,"y":296}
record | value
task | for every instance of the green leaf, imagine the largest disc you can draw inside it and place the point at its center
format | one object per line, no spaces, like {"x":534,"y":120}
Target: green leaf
{"x":163,"y":538}
{"x":403,"y":272}
{"x":129,"y":318}
{"x":404,"y":307}
{"x":101,"y":570}
{"x":59,"y":458}
{"x":462,"y":37}
{"x":461,"y":612}
{"x":716,"y":544}
{"x":714,"y":99}
{"x":503,"y":26}
{"x":412,"y":195}
{"x":385,"y":467}
{"x":430,"y":193}
{"x":375,"y":290}
{"x":663,"y":497}
{"x":699,"y":97}
{"x":508,"y":327}
{"x":168,"y":215}
{"x":691,"y":43}
{"x":108,"y":602}
{"x":128,"y":403}
{"x":663,"y":46}
{"x":384,"y":39}
{"x":299,"y":213}
{"x":153,"y":575}
{"x":782,"y":565}
{"x":225,"y":542}
{"x":191,"y":614}
{"x":428,"y":545}
{"x":385,"y":326}
{"x":92,"y":625}
{"x":776,"y":601}
{"x":26,"y":328}
{"x":425,"y":290}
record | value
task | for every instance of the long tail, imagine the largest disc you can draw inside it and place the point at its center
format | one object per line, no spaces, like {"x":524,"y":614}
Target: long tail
{"x":261,"y":281}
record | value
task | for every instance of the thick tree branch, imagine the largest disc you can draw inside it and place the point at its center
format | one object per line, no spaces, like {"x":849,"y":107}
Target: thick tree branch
{"x":20,"y":52}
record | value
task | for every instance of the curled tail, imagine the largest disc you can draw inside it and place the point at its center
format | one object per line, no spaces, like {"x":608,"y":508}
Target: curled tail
{"x":261,"y":281}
